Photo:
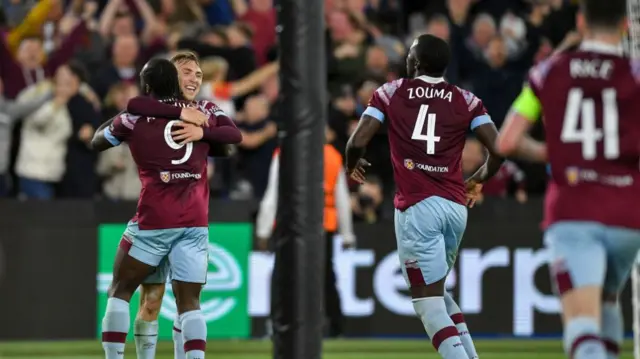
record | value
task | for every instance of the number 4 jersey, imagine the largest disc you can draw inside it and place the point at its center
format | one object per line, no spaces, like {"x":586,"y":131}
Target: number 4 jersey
{"x":590,"y":102}
{"x":175,"y":191}
{"x":428,"y":120}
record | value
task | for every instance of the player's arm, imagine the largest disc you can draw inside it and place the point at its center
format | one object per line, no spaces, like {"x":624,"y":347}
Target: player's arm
{"x":268,"y":205}
{"x":150,"y":107}
{"x":103,"y":139}
{"x":343,"y":207}
{"x":513,"y":138}
{"x":486,"y":132}
{"x":368,"y":126}
{"x":224,"y":132}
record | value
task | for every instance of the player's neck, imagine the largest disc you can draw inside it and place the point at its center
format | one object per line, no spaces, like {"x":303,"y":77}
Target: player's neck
{"x":604,"y":37}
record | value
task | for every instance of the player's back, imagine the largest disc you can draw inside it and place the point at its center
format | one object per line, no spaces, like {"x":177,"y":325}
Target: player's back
{"x":428,"y":120}
{"x":590,"y":101}
{"x":174,"y":192}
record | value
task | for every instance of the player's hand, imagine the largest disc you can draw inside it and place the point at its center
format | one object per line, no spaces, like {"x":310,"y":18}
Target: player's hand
{"x":521,"y":196}
{"x":194,"y":116}
{"x":348,"y":242}
{"x":358,"y":173}
{"x":474,"y":192}
{"x":186,"y":133}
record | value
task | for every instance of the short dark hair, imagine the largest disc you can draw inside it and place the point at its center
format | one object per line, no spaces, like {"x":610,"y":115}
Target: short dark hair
{"x":159,"y":78}
{"x":604,"y":13}
{"x":79,"y":70}
{"x":433,"y":55}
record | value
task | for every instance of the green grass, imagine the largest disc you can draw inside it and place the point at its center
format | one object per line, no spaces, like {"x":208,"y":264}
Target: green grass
{"x":333,"y":349}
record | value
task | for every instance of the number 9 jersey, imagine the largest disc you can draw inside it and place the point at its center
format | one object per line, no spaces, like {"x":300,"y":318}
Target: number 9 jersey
{"x":428,"y":121}
{"x":175,"y":191}
{"x":590,"y":103}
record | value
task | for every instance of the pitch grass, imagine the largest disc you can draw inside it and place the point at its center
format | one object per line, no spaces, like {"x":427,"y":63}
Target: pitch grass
{"x":333,"y":349}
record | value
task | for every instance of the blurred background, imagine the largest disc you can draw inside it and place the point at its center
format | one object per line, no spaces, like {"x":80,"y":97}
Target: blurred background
{"x":67,"y":66}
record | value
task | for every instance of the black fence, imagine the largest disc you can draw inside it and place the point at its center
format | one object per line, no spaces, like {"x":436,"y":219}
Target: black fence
{"x":49,"y":255}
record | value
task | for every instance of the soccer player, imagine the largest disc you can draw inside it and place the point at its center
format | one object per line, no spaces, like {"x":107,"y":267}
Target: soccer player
{"x":153,"y":287}
{"x":172,"y":218}
{"x":428,"y":120}
{"x":589,"y":102}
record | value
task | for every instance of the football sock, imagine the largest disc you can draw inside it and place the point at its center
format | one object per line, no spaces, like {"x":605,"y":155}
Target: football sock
{"x":582,"y":339}
{"x":115,"y":326}
{"x":458,"y":319}
{"x":194,"y":334}
{"x":612,"y":329}
{"x":178,"y":344}
{"x":440,"y":328}
{"x":146,"y":337}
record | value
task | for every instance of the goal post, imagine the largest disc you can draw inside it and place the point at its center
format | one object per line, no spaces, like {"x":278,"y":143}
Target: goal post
{"x":633,"y":49}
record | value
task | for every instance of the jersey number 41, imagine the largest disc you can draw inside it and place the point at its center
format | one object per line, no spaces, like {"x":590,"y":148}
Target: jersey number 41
{"x":580,"y":124}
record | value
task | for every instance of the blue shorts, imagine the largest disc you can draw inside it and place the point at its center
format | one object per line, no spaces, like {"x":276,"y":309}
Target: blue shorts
{"x":590,"y":254}
{"x":183,"y":252}
{"x":429,"y":235}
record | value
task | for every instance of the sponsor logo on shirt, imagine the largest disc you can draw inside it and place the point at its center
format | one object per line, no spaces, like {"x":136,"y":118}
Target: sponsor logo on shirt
{"x":575,"y":175}
{"x":167,"y":176}
{"x":410,"y":165}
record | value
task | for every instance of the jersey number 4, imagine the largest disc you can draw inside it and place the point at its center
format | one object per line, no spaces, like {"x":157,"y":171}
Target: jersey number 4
{"x":176,"y":146}
{"x":430,"y":138}
{"x":581,"y":112}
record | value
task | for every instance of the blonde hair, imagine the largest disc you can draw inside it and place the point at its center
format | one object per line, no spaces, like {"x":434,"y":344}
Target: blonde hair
{"x":212,"y":67}
{"x":184,"y":56}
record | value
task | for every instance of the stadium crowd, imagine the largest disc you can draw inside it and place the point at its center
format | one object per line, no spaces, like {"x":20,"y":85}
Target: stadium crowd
{"x":67,"y":66}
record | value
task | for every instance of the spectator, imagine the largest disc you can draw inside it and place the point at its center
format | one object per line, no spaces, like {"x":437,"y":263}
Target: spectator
{"x":122,"y":67}
{"x":43,"y":147}
{"x":258,"y":143}
{"x":80,"y":180}
{"x":261,"y":16}
{"x":10,"y":111}
{"x":116,"y":166}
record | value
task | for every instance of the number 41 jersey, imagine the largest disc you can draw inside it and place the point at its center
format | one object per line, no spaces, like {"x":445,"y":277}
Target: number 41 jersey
{"x":590,"y":103}
{"x":175,"y":191}
{"x":428,"y":120}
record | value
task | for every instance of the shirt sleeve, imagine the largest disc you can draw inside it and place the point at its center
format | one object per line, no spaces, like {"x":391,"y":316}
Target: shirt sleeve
{"x":120,"y":129}
{"x":380,"y":100}
{"x":475,"y":106}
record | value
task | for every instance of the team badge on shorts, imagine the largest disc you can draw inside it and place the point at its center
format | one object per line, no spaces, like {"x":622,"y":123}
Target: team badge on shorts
{"x":165,"y":176}
{"x":408,"y":163}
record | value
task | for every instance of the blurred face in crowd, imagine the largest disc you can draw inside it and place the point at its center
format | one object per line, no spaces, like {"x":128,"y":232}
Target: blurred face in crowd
{"x":123,"y":25}
{"x":377,"y":61}
{"x":497,"y":52}
{"x":125,"y":51}
{"x":472,"y":156}
{"x":122,"y":95}
{"x":261,"y":5}
{"x":236,"y":37}
{"x":168,"y":7}
{"x":484,"y":29}
{"x":190,"y":76}
{"x":66,"y":82}
{"x":340,"y":26}
{"x":30,"y":54}
{"x":439,"y":28}
{"x":256,"y":108}
{"x":355,"y":5}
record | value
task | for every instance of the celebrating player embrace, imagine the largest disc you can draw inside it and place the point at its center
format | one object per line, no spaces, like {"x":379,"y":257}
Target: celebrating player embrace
{"x":589,"y":100}
{"x":171,"y":223}
{"x":428,"y":120}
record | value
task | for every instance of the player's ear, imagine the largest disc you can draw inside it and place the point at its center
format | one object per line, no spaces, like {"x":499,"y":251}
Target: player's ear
{"x":581,"y":23}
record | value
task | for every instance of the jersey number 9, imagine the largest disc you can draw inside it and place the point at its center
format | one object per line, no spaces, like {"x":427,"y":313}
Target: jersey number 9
{"x":176,"y":146}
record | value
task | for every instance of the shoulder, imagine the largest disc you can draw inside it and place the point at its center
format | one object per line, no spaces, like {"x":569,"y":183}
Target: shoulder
{"x":386,"y":91}
{"x":539,"y":73}
{"x":127,"y":120}
{"x":634,"y":68}
{"x":470,"y":99}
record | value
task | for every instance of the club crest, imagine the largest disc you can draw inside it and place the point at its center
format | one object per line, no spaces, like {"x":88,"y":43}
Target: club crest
{"x":165,"y":176}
